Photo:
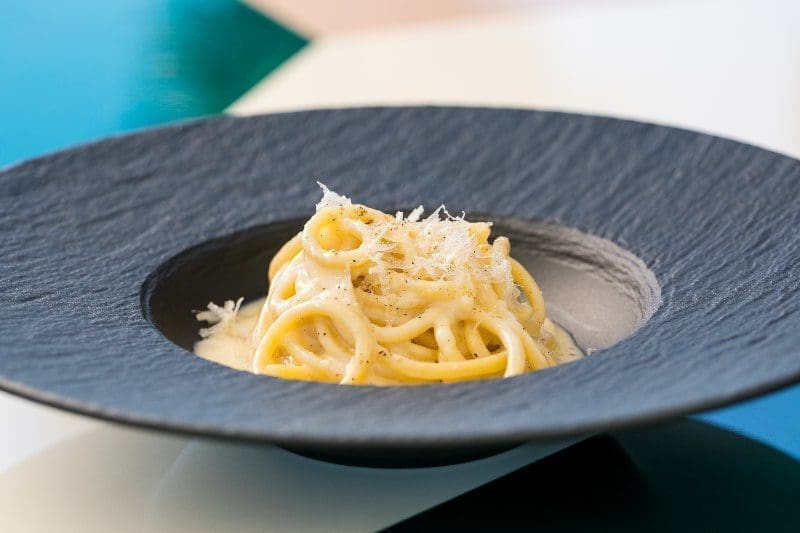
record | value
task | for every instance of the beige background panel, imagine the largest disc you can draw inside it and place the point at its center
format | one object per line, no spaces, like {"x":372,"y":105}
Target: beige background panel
{"x":731,"y":68}
{"x":321,"y":17}
{"x":132,"y":480}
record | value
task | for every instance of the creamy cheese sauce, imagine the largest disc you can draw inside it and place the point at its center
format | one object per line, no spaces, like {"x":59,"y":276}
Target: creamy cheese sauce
{"x":364,"y":297}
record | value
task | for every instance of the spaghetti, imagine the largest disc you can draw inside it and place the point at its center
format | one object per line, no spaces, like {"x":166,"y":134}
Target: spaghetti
{"x":363,"y":297}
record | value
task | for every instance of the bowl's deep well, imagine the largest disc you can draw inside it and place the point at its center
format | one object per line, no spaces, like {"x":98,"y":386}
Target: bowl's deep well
{"x":597,"y":291}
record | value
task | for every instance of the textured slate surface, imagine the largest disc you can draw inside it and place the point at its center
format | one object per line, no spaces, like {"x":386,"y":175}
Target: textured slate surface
{"x":714,"y":219}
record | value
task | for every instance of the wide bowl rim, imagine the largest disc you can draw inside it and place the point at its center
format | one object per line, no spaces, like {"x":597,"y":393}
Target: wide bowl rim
{"x":480,"y":437}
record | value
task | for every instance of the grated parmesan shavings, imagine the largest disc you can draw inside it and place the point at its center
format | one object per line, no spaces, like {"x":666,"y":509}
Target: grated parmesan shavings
{"x":331,"y":199}
{"x":221,"y":318}
{"x":438,"y":247}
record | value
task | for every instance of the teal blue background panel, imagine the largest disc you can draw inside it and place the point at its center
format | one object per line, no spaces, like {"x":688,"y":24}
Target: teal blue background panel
{"x":80,"y":70}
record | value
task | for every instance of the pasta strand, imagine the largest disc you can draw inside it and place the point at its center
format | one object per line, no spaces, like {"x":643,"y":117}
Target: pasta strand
{"x":363,"y":297}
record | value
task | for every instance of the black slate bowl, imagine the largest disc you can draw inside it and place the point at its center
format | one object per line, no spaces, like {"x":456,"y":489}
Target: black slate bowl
{"x":671,"y":252}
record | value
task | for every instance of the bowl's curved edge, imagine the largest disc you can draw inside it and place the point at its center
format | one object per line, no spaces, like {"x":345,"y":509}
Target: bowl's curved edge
{"x":393,"y":445}
{"x":132,"y":419}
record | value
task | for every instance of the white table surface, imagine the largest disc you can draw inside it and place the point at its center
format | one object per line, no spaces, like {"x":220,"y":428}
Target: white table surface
{"x":726,"y":67}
